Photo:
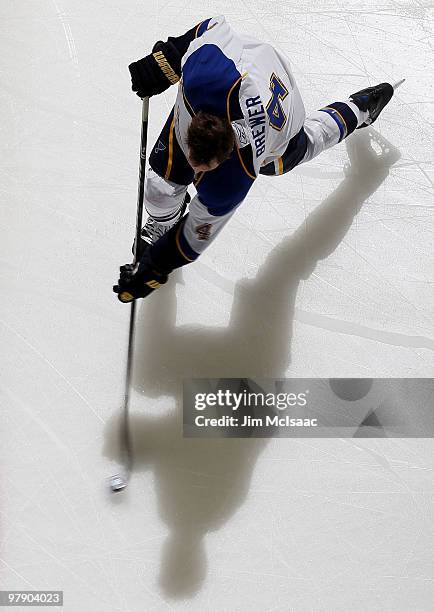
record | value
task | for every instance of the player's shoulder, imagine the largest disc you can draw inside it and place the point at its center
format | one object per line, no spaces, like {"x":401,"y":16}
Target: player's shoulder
{"x":210,"y":28}
{"x":205,"y":26}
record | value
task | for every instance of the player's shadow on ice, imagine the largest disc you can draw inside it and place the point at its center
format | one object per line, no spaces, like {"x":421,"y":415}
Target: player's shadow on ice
{"x":200,"y":483}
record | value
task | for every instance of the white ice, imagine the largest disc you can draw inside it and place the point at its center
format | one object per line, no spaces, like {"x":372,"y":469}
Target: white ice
{"x":326,"y":271}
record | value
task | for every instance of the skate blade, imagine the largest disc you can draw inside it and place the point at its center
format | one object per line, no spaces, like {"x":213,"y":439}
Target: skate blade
{"x":397,"y":84}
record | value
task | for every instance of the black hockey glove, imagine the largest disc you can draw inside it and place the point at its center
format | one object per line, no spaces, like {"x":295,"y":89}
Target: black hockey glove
{"x":138,"y":281}
{"x":156,"y":72}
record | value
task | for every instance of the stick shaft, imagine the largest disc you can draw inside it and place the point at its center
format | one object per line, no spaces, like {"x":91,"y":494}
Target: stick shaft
{"x":142,"y":170}
{"x":126,"y":432}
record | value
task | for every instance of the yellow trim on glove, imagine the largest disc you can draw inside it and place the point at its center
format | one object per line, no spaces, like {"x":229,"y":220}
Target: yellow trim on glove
{"x":165,"y":67}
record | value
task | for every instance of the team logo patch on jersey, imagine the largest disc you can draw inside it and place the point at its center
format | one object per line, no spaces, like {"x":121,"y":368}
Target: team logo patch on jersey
{"x":160,"y":147}
{"x":204,"y":231}
{"x":243,"y":139}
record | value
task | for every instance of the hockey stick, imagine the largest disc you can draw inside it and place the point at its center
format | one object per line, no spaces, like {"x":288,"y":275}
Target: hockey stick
{"x":119,"y":481}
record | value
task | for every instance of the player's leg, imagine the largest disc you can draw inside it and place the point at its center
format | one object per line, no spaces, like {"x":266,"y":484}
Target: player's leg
{"x":167,"y":180}
{"x":326,"y":127}
{"x":331,"y":124}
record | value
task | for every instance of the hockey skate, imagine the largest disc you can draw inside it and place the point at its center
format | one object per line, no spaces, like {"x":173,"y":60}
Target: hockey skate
{"x":372,"y":100}
{"x":153,"y":230}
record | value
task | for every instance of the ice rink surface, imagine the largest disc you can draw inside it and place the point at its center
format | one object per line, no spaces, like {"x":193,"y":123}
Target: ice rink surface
{"x":326,"y":271}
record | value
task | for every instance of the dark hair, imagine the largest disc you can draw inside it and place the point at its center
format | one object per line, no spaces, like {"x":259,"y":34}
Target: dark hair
{"x":209,"y":137}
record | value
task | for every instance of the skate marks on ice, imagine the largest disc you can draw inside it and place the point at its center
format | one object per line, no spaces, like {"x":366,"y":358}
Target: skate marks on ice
{"x":200,"y":484}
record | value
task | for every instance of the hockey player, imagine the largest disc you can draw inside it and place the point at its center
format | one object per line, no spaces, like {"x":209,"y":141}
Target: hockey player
{"x":238,"y":114}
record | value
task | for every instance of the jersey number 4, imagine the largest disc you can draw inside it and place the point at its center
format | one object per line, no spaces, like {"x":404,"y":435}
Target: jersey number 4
{"x":274,"y":107}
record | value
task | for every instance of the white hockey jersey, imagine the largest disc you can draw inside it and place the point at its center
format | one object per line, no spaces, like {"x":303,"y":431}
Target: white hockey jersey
{"x":249,"y":81}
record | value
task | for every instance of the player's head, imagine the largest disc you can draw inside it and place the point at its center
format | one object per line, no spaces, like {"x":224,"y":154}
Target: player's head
{"x":210,"y":141}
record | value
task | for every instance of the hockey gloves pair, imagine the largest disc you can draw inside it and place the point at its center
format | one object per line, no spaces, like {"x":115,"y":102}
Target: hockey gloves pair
{"x":139,"y":280}
{"x":156,"y":72}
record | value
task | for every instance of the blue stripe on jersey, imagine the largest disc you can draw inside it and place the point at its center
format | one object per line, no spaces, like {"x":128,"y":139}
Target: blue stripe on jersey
{"x":202,"y":28}
{"x":344,"y":117}
{"x":339,"y":121}
{"x":347,"y":114}
{"x":222,"y":189}
{"x":208,"y":76}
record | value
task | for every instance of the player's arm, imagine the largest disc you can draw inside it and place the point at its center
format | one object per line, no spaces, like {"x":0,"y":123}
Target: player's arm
{"x":181,"y":245}
{"x":173,"y":250}
{"x":160,"y":69}
{"x":153,"y":268}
